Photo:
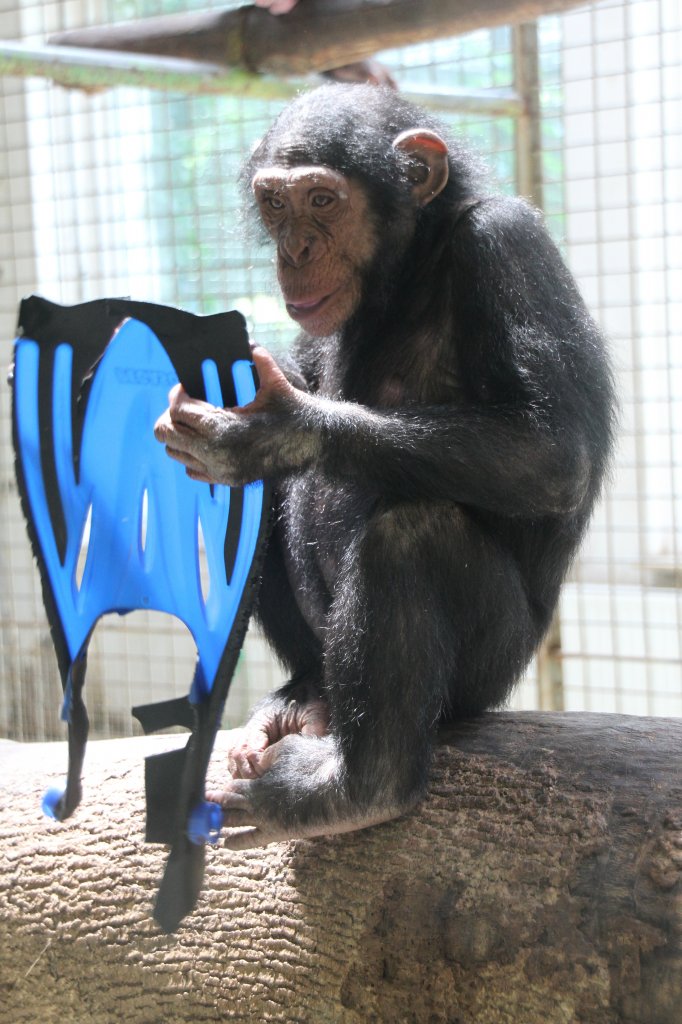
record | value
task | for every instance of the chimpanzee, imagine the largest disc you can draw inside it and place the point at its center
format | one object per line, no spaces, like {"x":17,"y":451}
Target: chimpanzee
{"x":437,"y":443}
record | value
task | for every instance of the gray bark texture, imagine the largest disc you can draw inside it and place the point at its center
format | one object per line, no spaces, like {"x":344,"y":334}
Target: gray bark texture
{"x":539,"y":883}
{"x":316,"y":36}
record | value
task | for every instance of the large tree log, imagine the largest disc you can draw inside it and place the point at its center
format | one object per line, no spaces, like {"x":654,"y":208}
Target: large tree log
{"x":540,"y":882}
{"x":316,"y":36}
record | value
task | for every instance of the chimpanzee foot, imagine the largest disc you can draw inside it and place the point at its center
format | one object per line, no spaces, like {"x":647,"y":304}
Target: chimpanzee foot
{"x":256,"y":829}
{"x":301,"y":795}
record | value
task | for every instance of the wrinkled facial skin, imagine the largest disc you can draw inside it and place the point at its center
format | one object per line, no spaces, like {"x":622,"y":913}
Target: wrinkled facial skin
{"x":321,"y":223}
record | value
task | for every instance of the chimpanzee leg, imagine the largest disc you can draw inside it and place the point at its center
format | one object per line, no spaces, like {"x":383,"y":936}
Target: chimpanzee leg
{"x":420,"y":589}
{"x":279,"y":616}
{"x":432,"y":622}
{"x":297,"y":706}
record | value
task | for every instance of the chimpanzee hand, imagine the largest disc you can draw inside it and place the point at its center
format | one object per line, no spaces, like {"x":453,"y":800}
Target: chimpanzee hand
{"x":266,"y":438}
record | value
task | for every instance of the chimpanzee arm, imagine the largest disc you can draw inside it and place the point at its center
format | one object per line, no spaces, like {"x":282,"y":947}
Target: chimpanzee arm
{"x":497,"y":459}
{"x":521,"y":443}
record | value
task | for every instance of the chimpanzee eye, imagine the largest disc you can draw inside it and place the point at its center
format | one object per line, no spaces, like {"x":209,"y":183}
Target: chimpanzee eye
{"x":273,"y":202}
{"x":320,"y":200}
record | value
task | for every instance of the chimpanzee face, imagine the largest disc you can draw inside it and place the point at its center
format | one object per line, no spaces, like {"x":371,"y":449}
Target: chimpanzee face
{"x":322,"y":225}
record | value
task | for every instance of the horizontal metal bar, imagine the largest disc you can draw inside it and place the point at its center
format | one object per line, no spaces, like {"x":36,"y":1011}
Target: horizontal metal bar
{"x":85,"y":69}
{"x":614,"y":656}
{"x":491,"y":102}
{"x":81,"y":68}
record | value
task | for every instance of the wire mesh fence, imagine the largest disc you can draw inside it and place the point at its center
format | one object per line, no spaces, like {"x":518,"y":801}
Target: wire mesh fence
{"x":621,"y":79}
{"x":133,"y":192}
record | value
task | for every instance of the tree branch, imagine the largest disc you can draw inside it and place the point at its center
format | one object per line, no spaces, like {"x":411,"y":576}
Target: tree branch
{"x":541,"y":881}
{"x":316,"y":36}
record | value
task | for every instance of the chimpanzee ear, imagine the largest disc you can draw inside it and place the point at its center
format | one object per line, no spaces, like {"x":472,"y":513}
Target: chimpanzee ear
{"x":428,"y":168}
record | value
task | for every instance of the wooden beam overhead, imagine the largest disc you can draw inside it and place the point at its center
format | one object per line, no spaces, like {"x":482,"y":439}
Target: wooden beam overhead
{"x":318,"y":35}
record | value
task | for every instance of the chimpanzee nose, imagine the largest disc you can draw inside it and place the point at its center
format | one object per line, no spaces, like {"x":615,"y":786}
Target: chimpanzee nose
{"x":299,"y":246}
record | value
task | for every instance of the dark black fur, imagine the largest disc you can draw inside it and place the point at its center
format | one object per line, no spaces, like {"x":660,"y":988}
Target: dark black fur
{"x":418,"y":554}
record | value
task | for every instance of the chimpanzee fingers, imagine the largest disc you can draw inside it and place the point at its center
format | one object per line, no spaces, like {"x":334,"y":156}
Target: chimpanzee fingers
{"x":247,"y":839}
{"x":240,"y":765}
{"x":163,"y":426}
{"x":189,"y":461}
{"x":195,"y":469}
{"x":200,"y":443}
{"x":243,"y":818}
{"x":267,"y":366}
{"x":198,"y":424}
{"x":185,"y":413}
{"x":251,"y":760}
{"x":234,"y":798}
{"x":262,"y":760}
{"x":202,"y":478}
{"x":273,"y":387}
{"x":235,"y":794}
{"x":239,"y":812}
{"x":242,"y":756}
{"x":253,"y":838}
{"x":313,"y":718}
{"x":191,"y":412}
{"x":178,"y":437}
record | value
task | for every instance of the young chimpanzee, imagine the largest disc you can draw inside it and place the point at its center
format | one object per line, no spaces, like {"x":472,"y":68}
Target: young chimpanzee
{"x":437,"y":447}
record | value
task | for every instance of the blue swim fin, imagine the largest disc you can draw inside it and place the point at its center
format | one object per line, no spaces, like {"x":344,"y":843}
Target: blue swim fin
{"x":89,"y":383}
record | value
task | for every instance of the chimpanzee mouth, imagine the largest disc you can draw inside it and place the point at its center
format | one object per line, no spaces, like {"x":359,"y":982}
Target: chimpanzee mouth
{"x":302,"y":309}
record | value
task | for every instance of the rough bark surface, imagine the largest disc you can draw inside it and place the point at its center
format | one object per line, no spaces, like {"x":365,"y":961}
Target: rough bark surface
{"x":315,"y":36}
{"x":539,"y":883}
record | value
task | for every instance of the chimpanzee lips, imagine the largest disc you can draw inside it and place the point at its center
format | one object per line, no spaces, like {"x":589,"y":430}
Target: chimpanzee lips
{"x":305,"y":307}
